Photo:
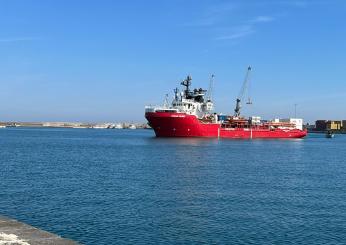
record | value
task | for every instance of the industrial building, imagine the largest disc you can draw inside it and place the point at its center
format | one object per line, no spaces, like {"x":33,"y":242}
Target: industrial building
{"x":334,"y":125}
{"x":323,"y":125}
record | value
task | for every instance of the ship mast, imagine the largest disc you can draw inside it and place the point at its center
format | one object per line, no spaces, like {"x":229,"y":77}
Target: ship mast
{"x":242,"y":93}
{"x":187,"y":83}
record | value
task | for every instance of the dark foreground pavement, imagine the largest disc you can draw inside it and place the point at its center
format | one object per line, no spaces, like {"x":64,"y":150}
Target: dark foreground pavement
{"x":14,"y":232}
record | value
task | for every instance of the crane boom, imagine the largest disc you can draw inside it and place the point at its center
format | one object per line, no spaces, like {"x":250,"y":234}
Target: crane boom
{"x":210,"y":90}
{"x":242,"y":93}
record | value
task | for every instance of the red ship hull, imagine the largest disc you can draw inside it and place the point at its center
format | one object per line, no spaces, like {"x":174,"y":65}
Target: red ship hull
{"x":168,"y":124}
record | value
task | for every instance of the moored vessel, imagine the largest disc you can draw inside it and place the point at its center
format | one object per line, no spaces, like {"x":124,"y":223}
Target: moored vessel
{"x":330,"y":134}
{"x":132,"y":126}
{"x":118,"y":126}
{"x":191,"y":115}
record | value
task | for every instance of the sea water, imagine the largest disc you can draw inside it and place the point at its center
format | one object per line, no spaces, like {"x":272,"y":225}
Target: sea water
{"x":99,"y":186}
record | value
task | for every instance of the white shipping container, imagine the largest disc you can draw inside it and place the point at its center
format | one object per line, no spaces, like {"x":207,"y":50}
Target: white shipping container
{"x":255,"y":120}
{"x":297,"y":121}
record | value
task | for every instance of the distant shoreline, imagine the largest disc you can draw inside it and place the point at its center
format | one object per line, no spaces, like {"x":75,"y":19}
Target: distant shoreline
{"x":122,"y":125}
{"x":325,"y":131}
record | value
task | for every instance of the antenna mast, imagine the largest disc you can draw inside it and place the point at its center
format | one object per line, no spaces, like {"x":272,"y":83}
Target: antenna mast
{"x":187,"y":83}
{"x":210,"y":90}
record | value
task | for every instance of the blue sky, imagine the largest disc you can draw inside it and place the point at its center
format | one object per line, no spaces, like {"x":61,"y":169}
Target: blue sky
{"x":95,"y":61}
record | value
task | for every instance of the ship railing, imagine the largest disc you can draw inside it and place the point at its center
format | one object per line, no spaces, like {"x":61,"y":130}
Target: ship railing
{"x":160,"y":109}
{"x":281,"y":125}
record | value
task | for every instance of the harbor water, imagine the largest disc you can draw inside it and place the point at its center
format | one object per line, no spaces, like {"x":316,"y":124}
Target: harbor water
{"x":98,"y":186}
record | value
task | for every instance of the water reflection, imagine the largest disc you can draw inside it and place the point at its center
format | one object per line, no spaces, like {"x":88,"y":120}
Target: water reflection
{"x":196,"y":141}
{"x":186,"y":141}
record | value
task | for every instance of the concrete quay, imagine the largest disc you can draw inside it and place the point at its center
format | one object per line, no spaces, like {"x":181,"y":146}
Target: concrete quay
{"x":15,"y":232}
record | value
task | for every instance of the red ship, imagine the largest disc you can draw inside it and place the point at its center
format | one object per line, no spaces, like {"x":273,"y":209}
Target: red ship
{"x":191,"y":115}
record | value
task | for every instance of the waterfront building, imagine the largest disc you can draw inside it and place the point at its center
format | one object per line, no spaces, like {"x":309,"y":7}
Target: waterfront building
{"x":334,"y":125}
{"x":322,"y":125}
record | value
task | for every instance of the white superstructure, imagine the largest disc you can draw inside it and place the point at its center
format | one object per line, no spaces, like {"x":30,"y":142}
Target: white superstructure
{"x":132,"y":126}
{"x":187,"y":101}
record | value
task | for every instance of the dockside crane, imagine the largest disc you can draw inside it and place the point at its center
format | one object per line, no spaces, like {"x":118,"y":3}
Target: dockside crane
{"x":242,"y":92}
{"x":210,"y":90}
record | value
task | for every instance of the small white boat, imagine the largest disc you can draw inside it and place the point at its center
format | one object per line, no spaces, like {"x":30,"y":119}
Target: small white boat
{"x":132,"y":126}
{"x":118,"y":126}
{"x":100,"y":126}
{"x":330,"y":135}
{"x":2,"y":126}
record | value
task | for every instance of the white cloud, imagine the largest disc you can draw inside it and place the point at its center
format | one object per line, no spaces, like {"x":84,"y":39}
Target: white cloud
{"x":263,"y":19}
{"x":213,"y":15}
{"x":246,"y":30}
{"x":298,"y":3}
{"x":237,"y":32}
{"x":203,"y":22}
{"x":219,"y":18}
{"x":17,"y":39}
